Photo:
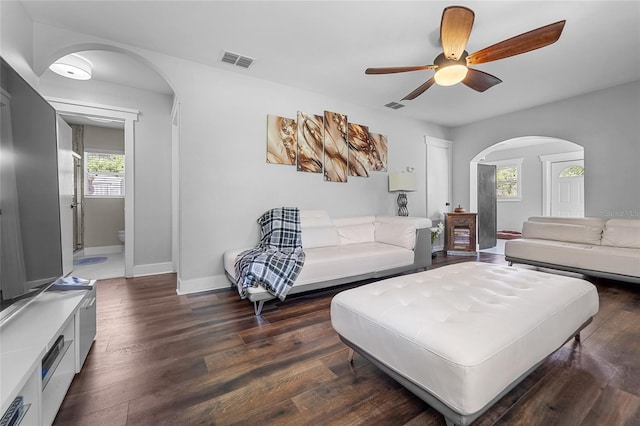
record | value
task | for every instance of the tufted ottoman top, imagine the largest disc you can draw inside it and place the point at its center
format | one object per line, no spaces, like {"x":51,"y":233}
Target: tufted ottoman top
{"x":464,"y":332}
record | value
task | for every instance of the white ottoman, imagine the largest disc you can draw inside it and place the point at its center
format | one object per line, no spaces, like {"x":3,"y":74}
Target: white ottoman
{"x":463,"y":335}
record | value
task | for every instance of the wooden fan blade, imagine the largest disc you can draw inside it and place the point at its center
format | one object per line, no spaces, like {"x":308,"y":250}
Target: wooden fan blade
{"x":392,"y":70}
{"x":455,"y":29}
{"x":480,"y":80}
{"x":420,"y":90}
{"x":526,"y":42}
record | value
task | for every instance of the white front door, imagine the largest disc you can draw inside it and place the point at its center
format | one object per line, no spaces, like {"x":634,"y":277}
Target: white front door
{"x":65,"y":173}
{"x":567,"y":189}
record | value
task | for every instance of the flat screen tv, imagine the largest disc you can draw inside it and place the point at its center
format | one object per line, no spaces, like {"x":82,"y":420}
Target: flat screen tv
{"x":30,"y":247}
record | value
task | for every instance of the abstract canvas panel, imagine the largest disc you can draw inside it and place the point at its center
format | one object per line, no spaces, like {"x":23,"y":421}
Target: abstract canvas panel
{"x":281,"y":140}
{"x":359,"y":148}
{"x":310,"y":143}
{"x":378,"y":153}
{"x":336,"y":148}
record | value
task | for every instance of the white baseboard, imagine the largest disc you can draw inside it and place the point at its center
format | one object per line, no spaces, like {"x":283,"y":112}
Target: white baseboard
{"x":91,"y":251}
{"x":196,"y":285}
{"x":153,"y":269}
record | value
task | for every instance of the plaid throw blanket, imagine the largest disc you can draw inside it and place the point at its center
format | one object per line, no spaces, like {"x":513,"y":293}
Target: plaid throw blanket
{"x":277,"y":261}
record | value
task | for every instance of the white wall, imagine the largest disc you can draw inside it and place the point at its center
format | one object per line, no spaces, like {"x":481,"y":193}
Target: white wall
{"x":512,"y":214}
{"x":605,"y":123}
{"x":16,"y":39}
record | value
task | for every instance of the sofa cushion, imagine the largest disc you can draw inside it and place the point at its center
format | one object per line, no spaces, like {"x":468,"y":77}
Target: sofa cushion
{"x":588,"y":221}
{"x":584,"y":234}
{"x":357,"y":229}
{"x":360,"y":233}
{"x":319,"y":236}
{"x":396,"y":233}
{"x":622,"y":233}
{"x":314,"y":218}
{"x":356,"y":220}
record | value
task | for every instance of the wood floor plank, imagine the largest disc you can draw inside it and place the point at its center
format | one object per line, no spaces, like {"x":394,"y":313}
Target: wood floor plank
{"x":111,"y":416}
{"x":205,"y":358}
{"x":614,"y":407}
{"x":276,"y":388}
{"x":276,"y":352}
{"x":565,"y":395}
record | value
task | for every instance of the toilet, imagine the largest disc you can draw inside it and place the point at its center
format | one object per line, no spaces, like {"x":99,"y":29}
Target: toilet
{"x":121,"y":235}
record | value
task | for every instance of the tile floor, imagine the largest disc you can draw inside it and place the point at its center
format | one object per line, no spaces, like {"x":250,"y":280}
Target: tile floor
{"x":498,"y":249}
{"x":113,"y":267}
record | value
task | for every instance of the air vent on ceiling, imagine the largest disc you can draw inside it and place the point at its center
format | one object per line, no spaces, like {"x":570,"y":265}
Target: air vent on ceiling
{"x":394,"y":105}
{"x":236,"y":59}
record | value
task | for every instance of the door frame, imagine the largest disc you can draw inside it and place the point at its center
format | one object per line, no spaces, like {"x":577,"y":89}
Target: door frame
{"x":430,"y":143}
{"x":546,"y":161}
{"x":128,"y":116}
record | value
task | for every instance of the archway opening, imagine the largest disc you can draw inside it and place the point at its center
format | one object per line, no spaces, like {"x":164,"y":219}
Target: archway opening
{"x":524,"y":178}
{"x":94,"y":103}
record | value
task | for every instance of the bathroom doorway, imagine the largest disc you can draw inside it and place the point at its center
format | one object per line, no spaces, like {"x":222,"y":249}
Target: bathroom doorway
{"x":75,"y":112}
{"x":99,"y":198}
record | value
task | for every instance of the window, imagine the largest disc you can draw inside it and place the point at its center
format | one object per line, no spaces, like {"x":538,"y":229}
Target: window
{"x":572,"y":171}
{"x":104,"y":174}
{"x":508,"y":179}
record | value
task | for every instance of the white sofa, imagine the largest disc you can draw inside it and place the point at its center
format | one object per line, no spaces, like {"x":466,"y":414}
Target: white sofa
{"x":590,"y":246}
{"x":340,"y":251}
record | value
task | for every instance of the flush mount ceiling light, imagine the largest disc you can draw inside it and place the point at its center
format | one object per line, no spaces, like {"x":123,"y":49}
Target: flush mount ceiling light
{"x":72,"y":66}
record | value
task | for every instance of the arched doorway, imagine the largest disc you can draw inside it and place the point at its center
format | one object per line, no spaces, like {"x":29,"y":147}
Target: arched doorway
{"x":122,"y":70}
{"x":527,"y":163}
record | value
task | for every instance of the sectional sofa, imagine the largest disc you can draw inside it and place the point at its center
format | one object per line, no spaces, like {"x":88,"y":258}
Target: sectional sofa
{"x":590,"y":246}
{"x":345,"y":250}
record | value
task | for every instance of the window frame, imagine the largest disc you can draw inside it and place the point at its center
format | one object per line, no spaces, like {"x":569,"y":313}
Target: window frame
{"x":513,"y":162}
{"x":85,"y":164}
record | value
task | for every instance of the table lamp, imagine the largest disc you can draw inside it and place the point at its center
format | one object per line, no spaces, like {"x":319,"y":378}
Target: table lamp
{"x":402,"y":182}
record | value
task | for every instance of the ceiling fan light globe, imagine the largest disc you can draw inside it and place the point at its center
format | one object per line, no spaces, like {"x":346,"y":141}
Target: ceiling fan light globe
{"x":450,"y":75}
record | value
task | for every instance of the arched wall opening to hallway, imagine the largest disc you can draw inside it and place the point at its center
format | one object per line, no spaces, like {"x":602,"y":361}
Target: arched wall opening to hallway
{"x":535,"y":154}
{"x":124,"y":110}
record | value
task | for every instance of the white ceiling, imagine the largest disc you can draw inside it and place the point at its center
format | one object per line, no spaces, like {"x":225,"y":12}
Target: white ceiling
{"x":325,"y":46}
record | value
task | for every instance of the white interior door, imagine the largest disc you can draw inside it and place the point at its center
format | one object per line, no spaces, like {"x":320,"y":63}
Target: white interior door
{"x":567,"y":192}
{"x":439,"y":177}
{"x":65,"y":172}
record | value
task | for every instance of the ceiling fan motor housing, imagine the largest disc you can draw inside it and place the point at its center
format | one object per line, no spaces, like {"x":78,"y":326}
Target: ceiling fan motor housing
{"x":450,"y":71}
{"x":441,"y":61}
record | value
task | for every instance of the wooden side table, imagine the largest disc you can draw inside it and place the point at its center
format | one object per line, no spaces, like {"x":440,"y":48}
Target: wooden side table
{"x":460,"y":233}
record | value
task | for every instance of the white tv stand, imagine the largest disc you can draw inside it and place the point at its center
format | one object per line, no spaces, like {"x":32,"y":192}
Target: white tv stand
{"x":27,"y":337}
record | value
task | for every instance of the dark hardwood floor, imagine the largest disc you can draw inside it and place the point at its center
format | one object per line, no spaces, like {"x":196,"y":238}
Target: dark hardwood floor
{"x":164,"y":359}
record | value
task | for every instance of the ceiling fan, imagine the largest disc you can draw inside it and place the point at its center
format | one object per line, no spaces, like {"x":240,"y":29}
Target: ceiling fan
{"x":452,"y":65}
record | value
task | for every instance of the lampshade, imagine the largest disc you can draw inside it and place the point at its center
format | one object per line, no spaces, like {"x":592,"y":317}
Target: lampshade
{"x":402,"y":182}
{"x":72,"y":66}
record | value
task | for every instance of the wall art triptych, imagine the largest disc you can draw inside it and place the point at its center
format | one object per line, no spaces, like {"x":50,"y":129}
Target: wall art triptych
{"x":326,"y":144}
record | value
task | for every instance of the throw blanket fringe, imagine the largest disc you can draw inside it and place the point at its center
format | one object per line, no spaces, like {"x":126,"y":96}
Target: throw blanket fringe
{"x":278,"y":259}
